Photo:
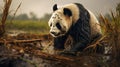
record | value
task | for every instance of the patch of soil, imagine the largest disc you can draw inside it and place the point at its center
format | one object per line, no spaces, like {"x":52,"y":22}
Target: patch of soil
{"x":33,"y":50}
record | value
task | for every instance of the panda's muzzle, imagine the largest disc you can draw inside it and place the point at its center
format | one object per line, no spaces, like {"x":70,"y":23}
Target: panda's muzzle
{"x":55,"y":34}
{"x":60,"y":28}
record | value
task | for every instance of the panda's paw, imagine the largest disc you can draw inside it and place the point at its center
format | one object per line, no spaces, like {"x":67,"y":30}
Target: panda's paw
{"x":57,"y":52}
{"x":68,"y":53}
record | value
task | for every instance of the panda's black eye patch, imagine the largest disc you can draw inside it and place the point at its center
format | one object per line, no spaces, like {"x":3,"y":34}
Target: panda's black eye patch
{"x":58,"y":26}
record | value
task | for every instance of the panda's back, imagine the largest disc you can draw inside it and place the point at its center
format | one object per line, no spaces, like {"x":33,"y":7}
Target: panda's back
{"x":77,"y":9}
{"x":95,"y":25}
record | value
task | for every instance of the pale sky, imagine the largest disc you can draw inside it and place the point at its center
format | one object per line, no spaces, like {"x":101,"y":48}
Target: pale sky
{"x":40,"y":7}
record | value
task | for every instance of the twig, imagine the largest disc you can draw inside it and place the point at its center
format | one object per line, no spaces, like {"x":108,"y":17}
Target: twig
{"x":15,"y":12}
{"x":95,"y":43}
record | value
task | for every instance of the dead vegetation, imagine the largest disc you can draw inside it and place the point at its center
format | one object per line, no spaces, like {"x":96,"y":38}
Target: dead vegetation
{"x":111,"y":29}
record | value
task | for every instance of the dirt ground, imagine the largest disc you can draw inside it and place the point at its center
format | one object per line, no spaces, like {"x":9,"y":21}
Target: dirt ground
{"x":33,"y":50}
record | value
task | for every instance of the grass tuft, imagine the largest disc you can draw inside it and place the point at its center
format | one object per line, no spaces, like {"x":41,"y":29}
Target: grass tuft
{"x":111,"y":28}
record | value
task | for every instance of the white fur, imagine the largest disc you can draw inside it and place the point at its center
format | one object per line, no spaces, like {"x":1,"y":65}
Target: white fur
{"x":95,"y":25}
{"x":53,"y":22}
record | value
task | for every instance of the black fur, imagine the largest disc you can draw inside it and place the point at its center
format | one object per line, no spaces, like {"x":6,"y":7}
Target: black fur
{"x":55,"y":7}
{"x":80,"y":32}
{"x":59,"y":42}
{"x":67,"y":12}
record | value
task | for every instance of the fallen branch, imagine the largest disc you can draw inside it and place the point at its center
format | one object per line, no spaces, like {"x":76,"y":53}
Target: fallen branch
{"x":51,"y":57}
{"x":19,"y":41}
{"x":44,"y":55}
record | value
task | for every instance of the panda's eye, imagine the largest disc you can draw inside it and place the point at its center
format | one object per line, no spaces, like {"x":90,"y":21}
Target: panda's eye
{"x":50,"y":24}
{"x":58,"y":26}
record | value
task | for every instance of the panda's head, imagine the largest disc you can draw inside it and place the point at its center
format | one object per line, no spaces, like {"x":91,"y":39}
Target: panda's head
{"x":60,"y":21}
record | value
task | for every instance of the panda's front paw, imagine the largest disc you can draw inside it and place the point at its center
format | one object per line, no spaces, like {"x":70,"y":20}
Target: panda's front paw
{"x":68,"y":53}
{"x":57,"y":52}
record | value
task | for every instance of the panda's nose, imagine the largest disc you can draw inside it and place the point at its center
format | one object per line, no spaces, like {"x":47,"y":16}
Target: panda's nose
{"x":52,"y":32}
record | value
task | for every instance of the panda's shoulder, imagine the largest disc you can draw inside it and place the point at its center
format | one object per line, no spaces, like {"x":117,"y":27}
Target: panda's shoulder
{"x":74,"y":9}
{"x":93,"y":18}
{"x":70,"y":6}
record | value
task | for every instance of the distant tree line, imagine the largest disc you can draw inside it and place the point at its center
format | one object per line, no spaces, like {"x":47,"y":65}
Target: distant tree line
{"x":32,"y":16}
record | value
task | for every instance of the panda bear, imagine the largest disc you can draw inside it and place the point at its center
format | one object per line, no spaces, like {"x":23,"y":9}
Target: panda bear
{"x":76,"y":21}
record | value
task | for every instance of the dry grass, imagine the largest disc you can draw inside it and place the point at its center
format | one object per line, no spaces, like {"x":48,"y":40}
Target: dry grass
{"x":111,"y":29}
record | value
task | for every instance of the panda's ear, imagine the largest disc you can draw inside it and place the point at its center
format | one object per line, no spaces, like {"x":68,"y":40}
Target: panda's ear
{"x":67,"y":12}
{"x":55,"y":7}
